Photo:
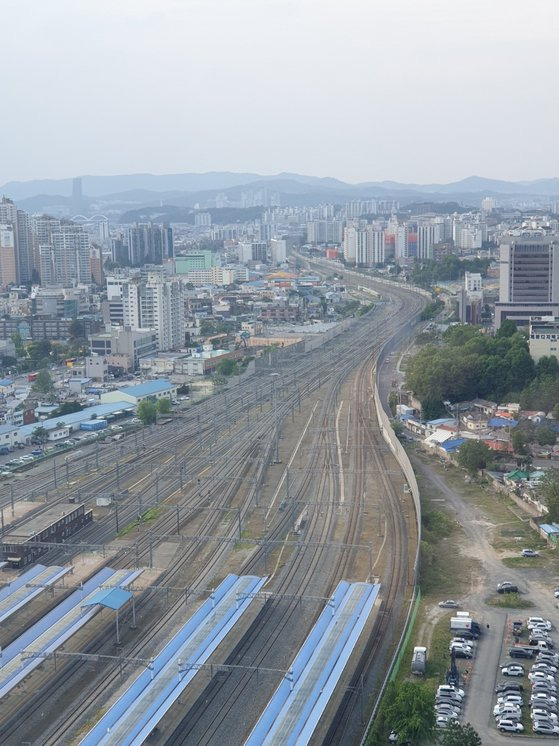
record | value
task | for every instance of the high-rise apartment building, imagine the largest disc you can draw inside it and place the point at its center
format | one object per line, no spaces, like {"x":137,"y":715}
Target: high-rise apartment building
{"x":71,"y":255}
{"x":364,"y":245}
{"x":162,"y":309}
{"x":23,"y":242}
{"x":278,"y":250}
{"x":529,"y":277}
{"x":8,"y":272}
{"x":149,"y":244}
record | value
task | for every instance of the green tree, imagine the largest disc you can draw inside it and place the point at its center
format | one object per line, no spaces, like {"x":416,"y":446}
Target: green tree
{"x":546,"y":436}
{"x":39,"y":433}
{"x":43,"y":384}
{"x":147,"y":412}
{"x":398,"y":427}
{"x":507,"y":329}
{"x":77,"y":329}
{"x":19,"y":345}
{"x":393,"y":402}
{"x":412,"y":712}
{"x":549,"y":491}
{"x":474,"y":455}
{"x":163,"y":406}
{"x":460,"y":735}
{"x":228,"y":367}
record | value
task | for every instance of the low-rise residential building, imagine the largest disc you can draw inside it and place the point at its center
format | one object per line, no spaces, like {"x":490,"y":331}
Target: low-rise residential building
{"x":544,"y":337}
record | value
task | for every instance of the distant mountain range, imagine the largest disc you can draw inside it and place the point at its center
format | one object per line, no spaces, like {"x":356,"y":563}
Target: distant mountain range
{"x":135,"y":191}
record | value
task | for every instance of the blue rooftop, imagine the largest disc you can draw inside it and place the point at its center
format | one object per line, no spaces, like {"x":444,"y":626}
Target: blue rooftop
{"x":441,"y":421}
{"x":111,"y":598}
{"x":502,"y":422}
{"x":6,"y":382}
{"x":99,"y":410}
{"x":549,"y":528}
{"x":452,"y":445}
{"x":150,"y":387}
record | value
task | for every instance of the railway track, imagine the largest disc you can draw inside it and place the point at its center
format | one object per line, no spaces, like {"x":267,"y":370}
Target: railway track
{"x":301,"y":568}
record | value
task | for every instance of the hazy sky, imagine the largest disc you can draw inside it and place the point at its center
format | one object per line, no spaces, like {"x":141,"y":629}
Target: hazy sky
{"x":411,"y":90}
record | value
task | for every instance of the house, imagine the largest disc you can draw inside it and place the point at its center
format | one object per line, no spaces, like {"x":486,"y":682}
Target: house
{"x":487,"y":408}
{"x":6,"y":386}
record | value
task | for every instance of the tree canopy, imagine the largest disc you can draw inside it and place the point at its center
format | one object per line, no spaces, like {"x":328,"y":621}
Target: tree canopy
{"x":549,"y":490}
{"x":469,"y":365}
{"x":474,"y":455}
{"x":428,"y":272}
{"x":43,"y":384}
{"x":163,"y":406}
{"x":458,"y":734}
{"x":147,"y":412}
{"x":412,"y":712}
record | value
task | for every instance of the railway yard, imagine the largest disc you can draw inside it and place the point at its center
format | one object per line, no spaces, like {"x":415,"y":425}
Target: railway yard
{"x":284,"y":476}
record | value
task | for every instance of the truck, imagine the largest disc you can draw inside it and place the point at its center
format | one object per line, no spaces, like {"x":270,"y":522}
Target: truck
{"x":419,"y":661}
{"x":93,"y":425}
{"x":465,"y":625}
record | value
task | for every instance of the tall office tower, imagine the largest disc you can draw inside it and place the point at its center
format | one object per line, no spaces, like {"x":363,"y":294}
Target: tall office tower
{"x":71,"y":255}
{"x":119,"y":251}
{"x":278,"y":250}
{"x":529,"y":277}
{"x":77,"y":195}
{"x":8,"y":274}
{"x":162,"y":309}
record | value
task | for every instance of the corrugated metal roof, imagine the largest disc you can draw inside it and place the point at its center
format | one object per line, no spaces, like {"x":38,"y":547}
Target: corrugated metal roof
{"x":502,"y":422}
{"x":99,"y":410}
{"x":111,"y":598}
{"x":150,"y":387}
{"x":452,"y":445}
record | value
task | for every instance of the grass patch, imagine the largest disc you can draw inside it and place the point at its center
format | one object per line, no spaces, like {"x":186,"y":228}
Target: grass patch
{"x":523,"y":561}
{"x":509,"y":601}
{"x":149,"y":515}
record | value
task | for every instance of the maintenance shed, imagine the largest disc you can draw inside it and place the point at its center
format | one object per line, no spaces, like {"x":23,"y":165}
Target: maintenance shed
{"x":55,"y":525}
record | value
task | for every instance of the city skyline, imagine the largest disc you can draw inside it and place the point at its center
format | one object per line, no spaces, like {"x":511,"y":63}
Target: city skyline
{"x":423,"y":93}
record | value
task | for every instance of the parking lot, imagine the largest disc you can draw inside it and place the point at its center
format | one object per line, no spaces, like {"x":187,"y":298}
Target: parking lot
{"x":535,"y":586}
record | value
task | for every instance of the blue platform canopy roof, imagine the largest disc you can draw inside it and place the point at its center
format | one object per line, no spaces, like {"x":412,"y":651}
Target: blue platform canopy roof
{"x":111,"y":598}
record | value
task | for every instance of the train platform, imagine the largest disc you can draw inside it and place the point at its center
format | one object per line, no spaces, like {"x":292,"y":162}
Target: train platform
{"x":137,"y":712}
{"x":298,"y":703}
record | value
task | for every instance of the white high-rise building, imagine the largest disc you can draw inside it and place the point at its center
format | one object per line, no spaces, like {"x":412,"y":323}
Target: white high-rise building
{"x":278,"y":250}
{"x":364,"y":245}
{"x":162,"y":309}
{"x":71,"y":255}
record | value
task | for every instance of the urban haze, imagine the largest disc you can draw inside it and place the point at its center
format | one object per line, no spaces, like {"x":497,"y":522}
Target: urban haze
{"x":279,"y":373}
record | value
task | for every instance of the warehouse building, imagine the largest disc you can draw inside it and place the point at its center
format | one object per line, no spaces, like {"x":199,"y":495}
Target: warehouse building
{"x":55,"y":525}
